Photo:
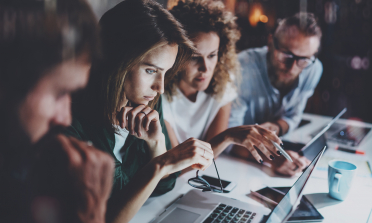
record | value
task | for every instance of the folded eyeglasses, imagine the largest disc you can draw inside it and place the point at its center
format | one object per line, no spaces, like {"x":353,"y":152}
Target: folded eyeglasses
{"x":200,"y":183}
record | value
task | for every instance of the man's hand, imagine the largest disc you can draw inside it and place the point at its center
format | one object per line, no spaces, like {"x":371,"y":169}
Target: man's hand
{"x":284,"y":167}
{"x":77,"y":175}
{"x":271,"y":126}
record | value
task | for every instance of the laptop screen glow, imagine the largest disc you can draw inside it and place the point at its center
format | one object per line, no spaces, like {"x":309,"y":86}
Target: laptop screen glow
{"x":285,"y":206}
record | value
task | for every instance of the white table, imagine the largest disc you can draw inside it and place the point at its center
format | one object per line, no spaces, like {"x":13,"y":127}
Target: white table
{"x":251,"y":176}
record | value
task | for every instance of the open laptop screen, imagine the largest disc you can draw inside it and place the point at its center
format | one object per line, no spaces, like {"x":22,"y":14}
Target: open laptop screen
{"x":288,"y":203}
{"x":314,"y":148}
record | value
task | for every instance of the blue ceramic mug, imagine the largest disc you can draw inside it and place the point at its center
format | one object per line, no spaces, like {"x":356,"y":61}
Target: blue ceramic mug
{"x":340,"y":178}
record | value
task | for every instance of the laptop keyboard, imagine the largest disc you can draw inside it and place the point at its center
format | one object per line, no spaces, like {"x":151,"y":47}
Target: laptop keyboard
{"x":225,"y":214}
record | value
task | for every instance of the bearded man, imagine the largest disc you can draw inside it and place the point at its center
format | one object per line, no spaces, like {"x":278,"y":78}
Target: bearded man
{"x":277,"y":80}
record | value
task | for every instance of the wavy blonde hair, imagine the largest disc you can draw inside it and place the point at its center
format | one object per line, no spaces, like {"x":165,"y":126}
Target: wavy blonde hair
{"x":210,"y":16}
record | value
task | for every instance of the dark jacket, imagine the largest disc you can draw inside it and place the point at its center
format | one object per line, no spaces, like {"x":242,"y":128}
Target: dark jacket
{"x":136,"y":152}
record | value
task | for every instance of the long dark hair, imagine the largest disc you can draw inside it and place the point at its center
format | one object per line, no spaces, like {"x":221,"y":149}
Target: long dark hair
{"x":128,"y":32}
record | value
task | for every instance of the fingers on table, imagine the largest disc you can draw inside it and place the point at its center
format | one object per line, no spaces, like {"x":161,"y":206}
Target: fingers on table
{"x":257,"y":141}
{"x":267,"y":146}
{"x":251,"y":148}
{"x":264,"y":149}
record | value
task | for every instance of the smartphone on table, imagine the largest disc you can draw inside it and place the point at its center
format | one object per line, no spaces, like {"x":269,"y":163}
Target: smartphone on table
{"x":269,"y":194}
{"x":214,"y":182}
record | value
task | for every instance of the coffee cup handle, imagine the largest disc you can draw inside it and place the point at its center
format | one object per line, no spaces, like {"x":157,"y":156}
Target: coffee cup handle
{"x":336,"y":183}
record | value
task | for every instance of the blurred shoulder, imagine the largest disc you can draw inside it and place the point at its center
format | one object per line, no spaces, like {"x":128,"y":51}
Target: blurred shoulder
{"x":252,"y":56}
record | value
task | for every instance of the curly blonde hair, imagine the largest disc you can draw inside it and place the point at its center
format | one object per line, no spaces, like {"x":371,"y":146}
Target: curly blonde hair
{"x":209,"y":16}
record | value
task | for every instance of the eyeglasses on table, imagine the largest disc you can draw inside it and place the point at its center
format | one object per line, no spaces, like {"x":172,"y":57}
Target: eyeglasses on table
{"x":200,"y":183}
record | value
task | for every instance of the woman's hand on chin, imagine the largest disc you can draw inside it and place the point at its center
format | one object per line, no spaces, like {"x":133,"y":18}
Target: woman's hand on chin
{"x":141,"y":121}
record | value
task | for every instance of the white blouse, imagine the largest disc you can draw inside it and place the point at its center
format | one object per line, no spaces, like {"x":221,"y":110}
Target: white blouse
{"x":119,"y":143}
{"x":192,"y":119}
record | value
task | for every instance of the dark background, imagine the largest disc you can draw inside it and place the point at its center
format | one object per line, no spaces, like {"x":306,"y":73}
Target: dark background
{"x":345,"y":52}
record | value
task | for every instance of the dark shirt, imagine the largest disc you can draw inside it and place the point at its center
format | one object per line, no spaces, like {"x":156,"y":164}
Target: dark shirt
{"x":14,"y":193}
{"x":136,"y":152}
{"x":18,"y":184}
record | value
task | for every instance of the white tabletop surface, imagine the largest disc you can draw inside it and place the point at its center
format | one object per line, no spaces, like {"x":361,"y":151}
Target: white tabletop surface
{"x":253,"y":176}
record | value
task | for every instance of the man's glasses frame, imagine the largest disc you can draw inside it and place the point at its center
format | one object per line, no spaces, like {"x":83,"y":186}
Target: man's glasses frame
{"x":288,"y":58}
{"x":200,"y":183}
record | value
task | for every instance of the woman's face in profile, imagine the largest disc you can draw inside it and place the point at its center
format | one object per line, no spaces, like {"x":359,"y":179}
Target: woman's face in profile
{"x":146,"y":79}
{"x":199,"y":70}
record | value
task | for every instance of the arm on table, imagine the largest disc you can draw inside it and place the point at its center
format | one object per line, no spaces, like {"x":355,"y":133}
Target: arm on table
{"x":280,"y":164}
{"x":192,"y":152}
{"x":218,"y":125}
{"x":280,"y":127}
{"x":252,"y":137}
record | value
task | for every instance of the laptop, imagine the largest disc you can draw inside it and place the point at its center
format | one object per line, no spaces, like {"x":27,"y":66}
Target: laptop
{"x":311,"y":149}
{"x":197,"y":206}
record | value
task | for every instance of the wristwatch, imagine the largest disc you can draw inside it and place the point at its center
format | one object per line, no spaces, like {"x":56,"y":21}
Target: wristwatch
{"x":280,"y":129}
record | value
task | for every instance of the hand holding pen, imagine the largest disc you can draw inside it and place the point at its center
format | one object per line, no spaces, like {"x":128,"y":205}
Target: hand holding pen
{"x":293,"y":164}
{"x":256,"y":140}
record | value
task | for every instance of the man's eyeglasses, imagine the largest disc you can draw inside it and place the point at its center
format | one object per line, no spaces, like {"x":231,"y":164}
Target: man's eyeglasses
{"x":200,"y":183}
{"x":288,"y":58}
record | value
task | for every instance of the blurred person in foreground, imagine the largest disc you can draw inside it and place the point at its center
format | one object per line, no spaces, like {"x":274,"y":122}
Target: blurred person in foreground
{"x":46,"y":49}
{"x":277,"y":80}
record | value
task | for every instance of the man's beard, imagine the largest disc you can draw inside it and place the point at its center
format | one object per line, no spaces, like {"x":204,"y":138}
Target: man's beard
{"x":274,"y":77}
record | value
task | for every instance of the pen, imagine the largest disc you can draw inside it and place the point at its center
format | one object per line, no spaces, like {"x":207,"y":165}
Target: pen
{"x":282,"y":151}
{"x":369,"y":166}
{"x":350,"y":150}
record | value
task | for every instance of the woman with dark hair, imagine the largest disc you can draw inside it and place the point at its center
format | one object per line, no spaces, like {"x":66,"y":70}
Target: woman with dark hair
{"x":197,"y":101}
{"x":121,"y":110}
